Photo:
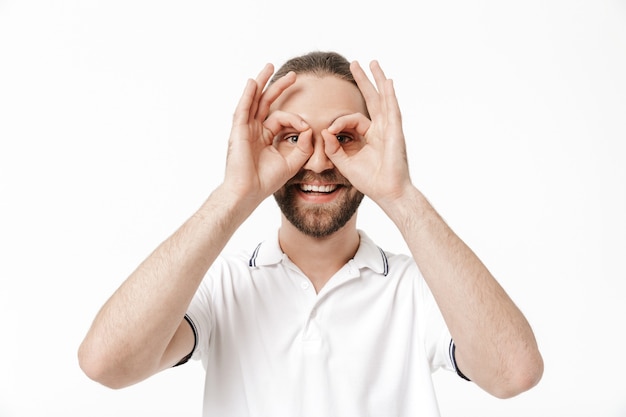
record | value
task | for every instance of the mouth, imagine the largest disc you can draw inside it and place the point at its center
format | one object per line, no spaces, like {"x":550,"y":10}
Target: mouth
{"x":318,"y":189}
{"x":318,"y":193}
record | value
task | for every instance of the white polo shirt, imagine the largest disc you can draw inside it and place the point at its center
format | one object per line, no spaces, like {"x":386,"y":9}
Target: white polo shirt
{"x":366,"y":345}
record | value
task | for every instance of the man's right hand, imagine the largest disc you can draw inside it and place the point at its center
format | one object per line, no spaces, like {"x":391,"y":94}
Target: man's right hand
{"x":254,"y":167}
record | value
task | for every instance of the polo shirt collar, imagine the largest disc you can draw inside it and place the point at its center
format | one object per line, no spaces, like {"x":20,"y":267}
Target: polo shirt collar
{"x":371,"y":256}
{"x":367,"y":256}
{"x":267,"y":253}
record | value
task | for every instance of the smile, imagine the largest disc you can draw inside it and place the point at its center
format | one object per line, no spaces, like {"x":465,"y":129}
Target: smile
{"x":309,"y":188}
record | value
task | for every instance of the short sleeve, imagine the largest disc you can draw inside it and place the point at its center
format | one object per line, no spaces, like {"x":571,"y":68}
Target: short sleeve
{"x":453,"y":358}
{"x":195,"y":341}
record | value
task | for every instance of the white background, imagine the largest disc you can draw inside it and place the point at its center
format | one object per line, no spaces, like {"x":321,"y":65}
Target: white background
{"x":114,"y":118}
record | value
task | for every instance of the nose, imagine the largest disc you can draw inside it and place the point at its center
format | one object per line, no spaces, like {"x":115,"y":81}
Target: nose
{"x":318,"y":161}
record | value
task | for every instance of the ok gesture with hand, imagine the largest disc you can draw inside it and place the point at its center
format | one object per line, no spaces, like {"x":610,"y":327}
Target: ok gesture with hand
{"x":254,"y":167}
{"x":379,"y":169}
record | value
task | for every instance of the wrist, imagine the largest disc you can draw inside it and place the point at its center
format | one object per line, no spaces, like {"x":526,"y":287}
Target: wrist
{"x":407,"y":209}
{"x":228,"y":206}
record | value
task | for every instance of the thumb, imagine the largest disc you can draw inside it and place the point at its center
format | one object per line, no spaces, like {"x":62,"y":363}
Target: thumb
{"x":301,"y":153}
{"x":334,"y":150}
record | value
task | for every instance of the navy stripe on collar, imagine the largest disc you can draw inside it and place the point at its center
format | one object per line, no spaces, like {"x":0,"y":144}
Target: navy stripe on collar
{"x":385,"y":261}
{"x":254,"y":255}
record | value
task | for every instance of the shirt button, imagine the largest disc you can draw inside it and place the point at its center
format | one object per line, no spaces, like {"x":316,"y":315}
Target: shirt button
{"x":304,"y":285}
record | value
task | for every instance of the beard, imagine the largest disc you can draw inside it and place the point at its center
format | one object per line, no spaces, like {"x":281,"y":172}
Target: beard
{"x":318,"y":220}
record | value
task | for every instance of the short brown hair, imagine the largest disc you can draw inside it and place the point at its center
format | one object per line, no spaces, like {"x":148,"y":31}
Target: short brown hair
{"x":317,"y":63}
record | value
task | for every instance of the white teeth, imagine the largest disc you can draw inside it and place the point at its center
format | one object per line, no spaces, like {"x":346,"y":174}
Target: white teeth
{"x":318,"y":188}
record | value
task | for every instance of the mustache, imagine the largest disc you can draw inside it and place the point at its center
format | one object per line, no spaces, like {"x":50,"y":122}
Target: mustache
{"x":330,"y":176}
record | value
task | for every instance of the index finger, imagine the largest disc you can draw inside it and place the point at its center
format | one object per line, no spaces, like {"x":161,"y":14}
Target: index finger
{"x":280,"y":120}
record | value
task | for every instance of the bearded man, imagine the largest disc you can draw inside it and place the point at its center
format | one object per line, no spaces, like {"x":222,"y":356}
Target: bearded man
{"x":317,"y":320}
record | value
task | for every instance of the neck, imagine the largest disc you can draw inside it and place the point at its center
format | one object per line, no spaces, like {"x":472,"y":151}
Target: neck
{"x":319,"y":258}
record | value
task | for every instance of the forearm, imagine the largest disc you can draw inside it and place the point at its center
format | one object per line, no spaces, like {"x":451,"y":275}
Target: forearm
{"x":138,"y":331}
{"x":131,"y":332}
{"x":496,"y":347}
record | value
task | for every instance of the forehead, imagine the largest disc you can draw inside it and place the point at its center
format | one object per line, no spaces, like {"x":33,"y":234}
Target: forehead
{"x":327,"y":97}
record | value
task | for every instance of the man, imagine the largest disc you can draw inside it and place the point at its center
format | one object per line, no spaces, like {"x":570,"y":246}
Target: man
{"x":317,"y":320}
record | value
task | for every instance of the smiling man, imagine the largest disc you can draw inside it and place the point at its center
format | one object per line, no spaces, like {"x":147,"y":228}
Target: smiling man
{"x":316,"y":320}
{"x":318,"y":201}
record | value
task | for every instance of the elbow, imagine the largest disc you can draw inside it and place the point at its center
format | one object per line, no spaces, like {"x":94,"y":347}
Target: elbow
{"x":521,"y":377}
{"x":97,"y":368}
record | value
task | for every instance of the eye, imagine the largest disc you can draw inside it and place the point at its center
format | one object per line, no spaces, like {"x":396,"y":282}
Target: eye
{"x":291,"y":139}
{"x":344,"y":139}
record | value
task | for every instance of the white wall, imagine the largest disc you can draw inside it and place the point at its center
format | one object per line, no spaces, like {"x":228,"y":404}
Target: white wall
{"x":114,"y":118}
